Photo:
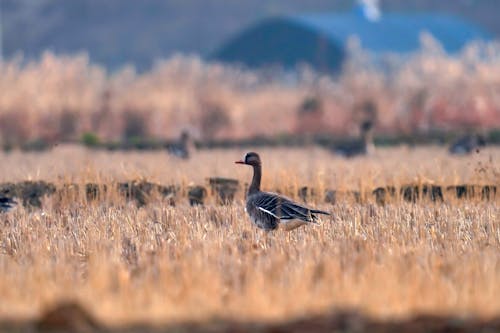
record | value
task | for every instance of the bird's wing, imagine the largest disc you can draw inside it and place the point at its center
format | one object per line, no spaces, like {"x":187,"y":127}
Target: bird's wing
{"x":282,"y":208}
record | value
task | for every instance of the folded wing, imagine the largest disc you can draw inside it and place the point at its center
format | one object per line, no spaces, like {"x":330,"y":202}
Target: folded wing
{"x":283,"y":208}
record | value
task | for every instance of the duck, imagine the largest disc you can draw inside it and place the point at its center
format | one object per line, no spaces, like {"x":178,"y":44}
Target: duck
{"x":7,"y":204}
{"x":362,"y":146}
{"x":270,"y":211}
{"x":180,"y":148}
{"x":466,"y":144}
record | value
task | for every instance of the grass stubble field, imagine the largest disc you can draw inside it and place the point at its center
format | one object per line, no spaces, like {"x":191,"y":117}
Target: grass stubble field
{"x":165,"y":264}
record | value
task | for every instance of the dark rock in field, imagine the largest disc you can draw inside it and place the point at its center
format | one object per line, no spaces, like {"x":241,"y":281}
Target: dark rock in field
{"x":196,"y":195}
{"x":67,"y":317}
{"x":224,"y":189}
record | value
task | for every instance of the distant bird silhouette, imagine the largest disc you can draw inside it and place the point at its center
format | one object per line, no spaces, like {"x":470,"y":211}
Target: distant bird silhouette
{"x":467,"y":144}
{"x":7,"y":204}
{"x":362,"y":146}
{"x":180,"y":148}
{"x":269,"y":211}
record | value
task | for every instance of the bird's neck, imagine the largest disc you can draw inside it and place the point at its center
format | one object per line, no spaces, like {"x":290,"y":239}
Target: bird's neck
{"x":257,"y":174}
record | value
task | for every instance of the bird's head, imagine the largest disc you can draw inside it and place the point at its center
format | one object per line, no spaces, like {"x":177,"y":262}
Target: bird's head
{"x":251,"y":158}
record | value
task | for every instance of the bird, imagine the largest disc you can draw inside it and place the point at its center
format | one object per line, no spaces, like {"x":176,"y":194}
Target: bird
{"x":269,"y":211}
{"x":362,"y":146}
{"x":466,"y":144}
{"x":7,"y":204}
{"x":181,"y":147}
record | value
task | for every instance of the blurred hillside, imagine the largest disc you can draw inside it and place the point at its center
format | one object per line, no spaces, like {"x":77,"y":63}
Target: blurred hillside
{"x":115,"y":32}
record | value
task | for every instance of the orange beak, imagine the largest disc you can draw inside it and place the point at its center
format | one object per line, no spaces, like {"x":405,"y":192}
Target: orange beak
{"x":240,"y":162}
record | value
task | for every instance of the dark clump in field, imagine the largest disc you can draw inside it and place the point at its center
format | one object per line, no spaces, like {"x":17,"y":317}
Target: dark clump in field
{"x":31,"y":192}
{"x":224,"y":189}
{"x":141,"y":191}
{"x":168,"y":192}
{"x":136,"y":190}
{"x":196,"y":195}
{"x":72,"y":317}
{"x":95,"y":191}
{"x":382,"y":194}
{"x":434,"y":193}
{"x":488,"y":192}
{"x":467,"y":192}
{"x":412,"y":193}
{"x":462,"y":191}
{"x":67,"y":317}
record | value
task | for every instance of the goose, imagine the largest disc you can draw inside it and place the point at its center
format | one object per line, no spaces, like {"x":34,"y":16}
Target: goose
{"x":181,"y":147}
{"x":7,"y":204}
{"x":466,"y":144}
{"x":362,"y":146}
{"x":269,"y":211}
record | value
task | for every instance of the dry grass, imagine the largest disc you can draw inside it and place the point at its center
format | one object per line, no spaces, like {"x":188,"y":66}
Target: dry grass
{"x":163,"y":264}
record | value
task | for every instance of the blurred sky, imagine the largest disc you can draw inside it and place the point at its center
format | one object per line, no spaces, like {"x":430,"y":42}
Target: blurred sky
{"x":113,"y":31}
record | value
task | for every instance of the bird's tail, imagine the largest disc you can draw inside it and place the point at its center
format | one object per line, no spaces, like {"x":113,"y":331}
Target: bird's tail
{"x":317,"y":211}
